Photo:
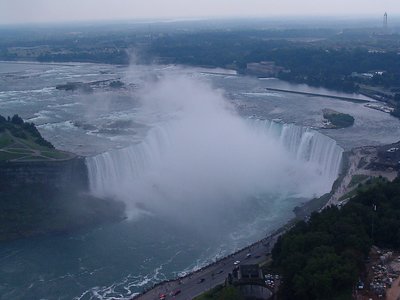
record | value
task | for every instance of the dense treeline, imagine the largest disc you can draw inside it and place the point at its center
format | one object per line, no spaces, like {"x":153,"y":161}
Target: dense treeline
{"x":19,"y":129}
{"x":114,"y":56}
{"x":339,"y":120}
{"x":317,"y":65}
{"x":323,"y":258}
{"x":333,"y":68}
{"x":319,"y":57}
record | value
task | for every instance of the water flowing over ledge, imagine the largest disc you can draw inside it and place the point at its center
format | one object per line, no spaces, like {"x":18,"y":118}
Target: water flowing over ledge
{"x":307,"y":145}
{"x":114,"y":173}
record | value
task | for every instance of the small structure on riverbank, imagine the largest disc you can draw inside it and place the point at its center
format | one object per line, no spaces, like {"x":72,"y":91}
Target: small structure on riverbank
{"x":249,"y":273}
{"x":389,"y":157}
{"x":250,"y":282}
{"x":264,"y":69}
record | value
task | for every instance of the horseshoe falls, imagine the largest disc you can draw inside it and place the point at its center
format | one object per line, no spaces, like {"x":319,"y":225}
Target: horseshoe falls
{"x":116,"y":172}
{"x":206,"y":162}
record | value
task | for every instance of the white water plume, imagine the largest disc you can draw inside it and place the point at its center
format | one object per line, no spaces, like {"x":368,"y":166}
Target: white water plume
{"x":203,"y":158}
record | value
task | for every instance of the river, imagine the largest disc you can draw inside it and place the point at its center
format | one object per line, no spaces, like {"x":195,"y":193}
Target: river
{"x":214,"y":175}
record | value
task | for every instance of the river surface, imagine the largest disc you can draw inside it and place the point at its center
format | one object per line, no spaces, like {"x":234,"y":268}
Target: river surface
{"x":116,"y":261}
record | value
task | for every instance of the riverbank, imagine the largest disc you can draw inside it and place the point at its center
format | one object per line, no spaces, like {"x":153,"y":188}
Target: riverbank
{"x":355,"y":100}
{"x":359,"y":161}
{"x":194,"y":284}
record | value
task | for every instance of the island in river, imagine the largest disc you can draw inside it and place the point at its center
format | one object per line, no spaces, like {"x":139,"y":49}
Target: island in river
{"x":335,"y":119}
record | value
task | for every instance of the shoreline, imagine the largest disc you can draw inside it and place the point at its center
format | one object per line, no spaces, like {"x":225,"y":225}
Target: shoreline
{"x":189,"y":282}
{"x":51,"y":63}
{"x":264,"y":245}
{"x":355,"y":100}
{"x":360,"y":160}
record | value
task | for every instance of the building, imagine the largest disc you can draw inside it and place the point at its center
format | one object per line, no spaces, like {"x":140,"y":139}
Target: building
{"x":249,"y":280}
{"x":264,"y":69}
{"x":249,"y":272}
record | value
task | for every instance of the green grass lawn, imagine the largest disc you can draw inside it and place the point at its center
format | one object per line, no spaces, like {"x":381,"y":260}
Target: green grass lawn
{"x":8,"y":156}
{"x":55,"y":154}
{"x":25,"y":148}
{"x":20,"y":150}
{"x":30,"y":143}
{"x":356,"y":179}
{"x":36,"y":158}
{"x":5,"y":139}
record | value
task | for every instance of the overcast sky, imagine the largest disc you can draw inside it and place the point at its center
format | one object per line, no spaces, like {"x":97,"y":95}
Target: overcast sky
{"x":25,"y":11}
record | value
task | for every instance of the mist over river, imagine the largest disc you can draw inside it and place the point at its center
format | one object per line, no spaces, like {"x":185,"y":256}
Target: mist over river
{"x":205,"y":160}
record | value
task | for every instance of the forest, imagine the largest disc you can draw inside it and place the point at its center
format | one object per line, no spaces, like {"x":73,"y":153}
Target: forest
{"x":323,"y":258}
{"x":316,"y":63}
{"x":324,"y":57}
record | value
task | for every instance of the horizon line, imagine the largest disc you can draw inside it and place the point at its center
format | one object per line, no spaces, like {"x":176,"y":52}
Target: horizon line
{"x":148,"y":20}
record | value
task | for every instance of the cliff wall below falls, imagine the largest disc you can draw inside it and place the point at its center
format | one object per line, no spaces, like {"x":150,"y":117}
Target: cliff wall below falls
{"x":42,"y":197}
{"x":71,"y":173}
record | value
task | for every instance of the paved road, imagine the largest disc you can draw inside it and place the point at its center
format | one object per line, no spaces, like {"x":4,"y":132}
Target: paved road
{"x":212,"y":275}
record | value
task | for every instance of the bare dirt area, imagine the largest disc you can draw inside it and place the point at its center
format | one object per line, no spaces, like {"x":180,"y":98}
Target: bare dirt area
{"x":363,"y":163}
{"x":394,"y":292}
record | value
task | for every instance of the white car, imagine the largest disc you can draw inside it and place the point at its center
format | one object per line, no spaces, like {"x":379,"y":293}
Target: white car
{"x":236,"y":262}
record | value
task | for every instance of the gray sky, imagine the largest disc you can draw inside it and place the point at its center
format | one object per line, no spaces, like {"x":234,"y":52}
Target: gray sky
{"x":23,"y":11}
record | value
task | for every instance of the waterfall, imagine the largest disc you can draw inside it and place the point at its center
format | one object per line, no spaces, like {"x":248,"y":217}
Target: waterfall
{"x":306,"y":145}
{"x":117,"y":171}
{"x":111,"y":168}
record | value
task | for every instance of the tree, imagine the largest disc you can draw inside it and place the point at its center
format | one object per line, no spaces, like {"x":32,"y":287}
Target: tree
{"x":17,"y":120}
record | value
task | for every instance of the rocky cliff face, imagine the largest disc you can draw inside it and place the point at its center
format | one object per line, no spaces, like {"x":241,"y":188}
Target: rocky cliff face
{"x":42,"y":197}
{"x":59,"y":174}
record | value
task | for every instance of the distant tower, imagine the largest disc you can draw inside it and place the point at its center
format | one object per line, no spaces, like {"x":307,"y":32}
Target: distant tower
{"x":385,"y":25}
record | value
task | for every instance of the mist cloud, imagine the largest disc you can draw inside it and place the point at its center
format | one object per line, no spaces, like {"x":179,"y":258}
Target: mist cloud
{"x":202,"y":159}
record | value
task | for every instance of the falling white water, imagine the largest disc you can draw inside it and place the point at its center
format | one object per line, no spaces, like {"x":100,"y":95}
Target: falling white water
{"x":206,"y":156}
{"x":307,"y":145}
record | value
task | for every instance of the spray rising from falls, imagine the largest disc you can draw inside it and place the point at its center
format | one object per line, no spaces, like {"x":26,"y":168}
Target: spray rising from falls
{"x":206,"y":156}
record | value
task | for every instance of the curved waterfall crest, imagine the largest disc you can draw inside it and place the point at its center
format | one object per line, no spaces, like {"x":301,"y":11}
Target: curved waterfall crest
{"x":306,"y":145}
{"x":111,"y":172}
